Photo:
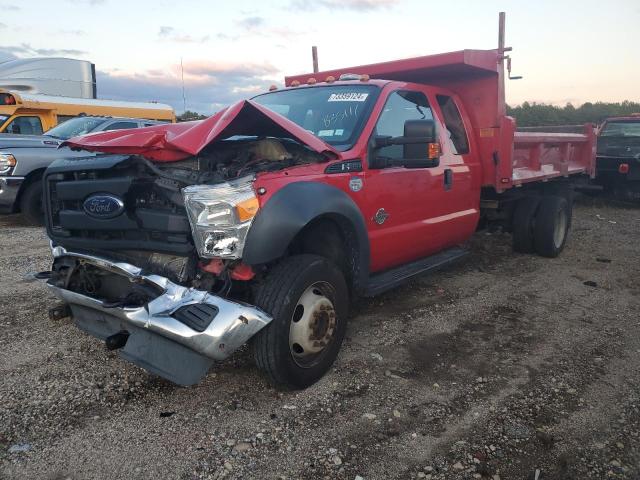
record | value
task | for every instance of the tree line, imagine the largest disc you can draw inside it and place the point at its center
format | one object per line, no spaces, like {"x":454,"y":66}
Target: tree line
{"x":542,"y":114}
{"x":538,"y":114}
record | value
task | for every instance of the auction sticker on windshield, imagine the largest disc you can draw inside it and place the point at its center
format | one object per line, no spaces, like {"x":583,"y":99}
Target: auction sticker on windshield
{"x":348,"y":97}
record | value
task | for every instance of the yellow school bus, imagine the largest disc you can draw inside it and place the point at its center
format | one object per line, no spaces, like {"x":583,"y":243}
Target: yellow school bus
{"x":26,"y":113}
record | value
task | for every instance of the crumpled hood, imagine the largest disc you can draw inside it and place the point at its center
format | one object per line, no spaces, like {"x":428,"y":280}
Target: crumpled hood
{"x":176,"y":141}
{"x":11,"y":140}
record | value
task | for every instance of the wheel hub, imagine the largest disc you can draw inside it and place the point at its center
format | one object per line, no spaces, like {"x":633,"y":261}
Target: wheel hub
{"x":313,"y":325}
{"x":560,"y":229}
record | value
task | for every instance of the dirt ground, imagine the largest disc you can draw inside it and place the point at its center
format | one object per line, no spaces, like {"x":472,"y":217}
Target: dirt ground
{"x":505,"y":366}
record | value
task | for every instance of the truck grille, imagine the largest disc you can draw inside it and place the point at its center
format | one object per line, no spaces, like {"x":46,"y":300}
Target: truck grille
{"x":114,"y":209}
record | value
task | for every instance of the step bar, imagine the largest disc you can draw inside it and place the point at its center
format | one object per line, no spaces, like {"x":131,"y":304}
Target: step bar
{"x":395,"y":277}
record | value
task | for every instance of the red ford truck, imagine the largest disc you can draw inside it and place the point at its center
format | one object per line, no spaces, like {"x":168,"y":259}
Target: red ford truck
{"x":179,"y":243}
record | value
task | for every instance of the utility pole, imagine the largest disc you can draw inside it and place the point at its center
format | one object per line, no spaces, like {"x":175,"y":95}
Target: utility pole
{"x":184,"y":98}
{"x":314,"y":57}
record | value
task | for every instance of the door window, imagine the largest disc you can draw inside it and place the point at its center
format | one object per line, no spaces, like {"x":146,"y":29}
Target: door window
{"x":400,"y":107}
{"x":454,"y":124}
{"x":25,"y":126}
{"x":122,"y":125}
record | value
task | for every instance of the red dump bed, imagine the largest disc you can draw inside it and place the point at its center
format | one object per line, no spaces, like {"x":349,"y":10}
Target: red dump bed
{"x":509,"y":158}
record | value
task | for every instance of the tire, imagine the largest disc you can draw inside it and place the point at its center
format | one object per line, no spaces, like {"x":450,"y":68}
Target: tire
{"x":551,"y":226}
{"x":308,"y":299}
{"x":523,"y":224}
{"x":565,"y":191}
{"x":31,"y":204}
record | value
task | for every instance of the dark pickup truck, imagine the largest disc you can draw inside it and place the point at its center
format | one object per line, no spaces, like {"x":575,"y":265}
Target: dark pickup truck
{"x":23,"y":159}
{"x":618,"y":156}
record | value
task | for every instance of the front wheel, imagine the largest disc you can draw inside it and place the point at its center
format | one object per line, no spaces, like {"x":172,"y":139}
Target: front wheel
{"x":31,"y":204}
{"x":308,"y":299}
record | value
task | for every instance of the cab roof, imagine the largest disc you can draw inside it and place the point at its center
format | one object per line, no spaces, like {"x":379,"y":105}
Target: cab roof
{"x":634,"y":117}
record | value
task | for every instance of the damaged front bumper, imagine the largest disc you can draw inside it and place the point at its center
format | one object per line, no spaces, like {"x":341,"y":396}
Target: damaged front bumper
{"x":176,"y":335}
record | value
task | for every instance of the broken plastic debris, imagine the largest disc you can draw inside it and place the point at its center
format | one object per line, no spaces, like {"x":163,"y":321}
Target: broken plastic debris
{"x":20,"y":447}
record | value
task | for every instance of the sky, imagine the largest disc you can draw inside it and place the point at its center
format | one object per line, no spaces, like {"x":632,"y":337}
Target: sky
{"x":566,"y":50}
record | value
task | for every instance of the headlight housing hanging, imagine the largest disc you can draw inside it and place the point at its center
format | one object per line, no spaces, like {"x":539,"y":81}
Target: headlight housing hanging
{"x":220,"y":217}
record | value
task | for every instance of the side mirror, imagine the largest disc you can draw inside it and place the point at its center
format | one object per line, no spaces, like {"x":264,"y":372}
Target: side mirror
{"x":419,"y":146}
{"x":421,"y":149}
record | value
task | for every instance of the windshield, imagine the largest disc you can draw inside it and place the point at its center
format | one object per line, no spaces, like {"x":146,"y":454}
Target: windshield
{"x":335,"y":113}
{"x":74,"y":127}
{"x":621,"y":129}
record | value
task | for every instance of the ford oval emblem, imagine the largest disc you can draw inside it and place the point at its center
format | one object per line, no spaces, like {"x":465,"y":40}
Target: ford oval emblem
{"x":103,"y":206}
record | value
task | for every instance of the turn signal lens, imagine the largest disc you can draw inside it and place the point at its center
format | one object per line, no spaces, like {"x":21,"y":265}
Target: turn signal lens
{"x":7,"y":162}
{"x":247,"y":209}
{"x":434,"y":150}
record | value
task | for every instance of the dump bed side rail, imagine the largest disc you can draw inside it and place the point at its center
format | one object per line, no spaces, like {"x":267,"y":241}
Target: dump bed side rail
{"x":525,"y":157}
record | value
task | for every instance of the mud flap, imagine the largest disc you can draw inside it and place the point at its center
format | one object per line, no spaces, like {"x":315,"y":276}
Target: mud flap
{"x":165,"y":357}
{"x":147,"y":349}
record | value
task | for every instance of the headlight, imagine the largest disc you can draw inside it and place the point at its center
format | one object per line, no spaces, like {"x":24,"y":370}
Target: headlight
{"x":7,"y":162}
{"x":220,"y":217}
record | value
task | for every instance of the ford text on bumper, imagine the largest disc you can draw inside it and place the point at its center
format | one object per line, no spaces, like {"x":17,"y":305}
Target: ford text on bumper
{"x":177,"y":335}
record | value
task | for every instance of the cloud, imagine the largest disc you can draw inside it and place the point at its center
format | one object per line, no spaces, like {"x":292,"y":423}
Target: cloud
{"x":209,"y":86}
{"x":75,"y":32}
{"x":3,"y":25}
{"x":357,"y":5}
{"x":258,"y":26}
{"x":9,"y":8}
{"x":250,"y":23}
{"x":171,"y":34}
{"x":88,"y":2}
{"x":24,"y":50}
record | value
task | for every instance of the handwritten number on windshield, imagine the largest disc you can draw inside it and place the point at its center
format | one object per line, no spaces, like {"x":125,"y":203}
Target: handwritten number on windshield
{"x":333,"y":118}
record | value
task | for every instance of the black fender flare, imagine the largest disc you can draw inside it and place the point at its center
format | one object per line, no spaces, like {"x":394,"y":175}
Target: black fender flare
{"x":290,"y":209}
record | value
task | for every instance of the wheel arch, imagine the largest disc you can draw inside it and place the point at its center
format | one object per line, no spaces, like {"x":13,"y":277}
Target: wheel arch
{"x":29,"y":179}
{"x":292,"y":216}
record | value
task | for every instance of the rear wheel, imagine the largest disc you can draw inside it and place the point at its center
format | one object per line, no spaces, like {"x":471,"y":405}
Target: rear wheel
{"x":308,"y":299}
{"x":523,"y":224}
{"x":552,"y":226}
{"x":31,"y":204}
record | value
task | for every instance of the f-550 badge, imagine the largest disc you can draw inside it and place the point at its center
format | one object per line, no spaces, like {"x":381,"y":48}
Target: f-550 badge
{"x":381,"y":216}
{"x":355,"y":184}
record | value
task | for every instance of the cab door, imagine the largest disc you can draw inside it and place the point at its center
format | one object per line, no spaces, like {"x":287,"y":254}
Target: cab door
{"x":408,"y":210}
{"x":461,"y":167}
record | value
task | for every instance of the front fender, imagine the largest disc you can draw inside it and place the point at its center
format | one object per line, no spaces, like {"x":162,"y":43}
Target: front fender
{"x":290,"y":209}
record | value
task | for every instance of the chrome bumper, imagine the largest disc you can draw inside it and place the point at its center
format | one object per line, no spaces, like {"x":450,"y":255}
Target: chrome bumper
{"x":9,"y":188}
{"x":232,"y":326}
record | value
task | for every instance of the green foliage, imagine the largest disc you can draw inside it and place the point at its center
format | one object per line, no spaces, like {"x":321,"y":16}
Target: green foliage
{"x":537,"y":114}
{"x":541,"y":114}
{"x":188,"y":115}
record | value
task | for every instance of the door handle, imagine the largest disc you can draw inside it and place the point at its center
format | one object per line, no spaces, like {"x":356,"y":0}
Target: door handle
{"x":448,"y":178}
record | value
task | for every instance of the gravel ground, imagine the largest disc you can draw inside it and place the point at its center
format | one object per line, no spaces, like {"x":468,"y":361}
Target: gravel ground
{"x":505,"y":366}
